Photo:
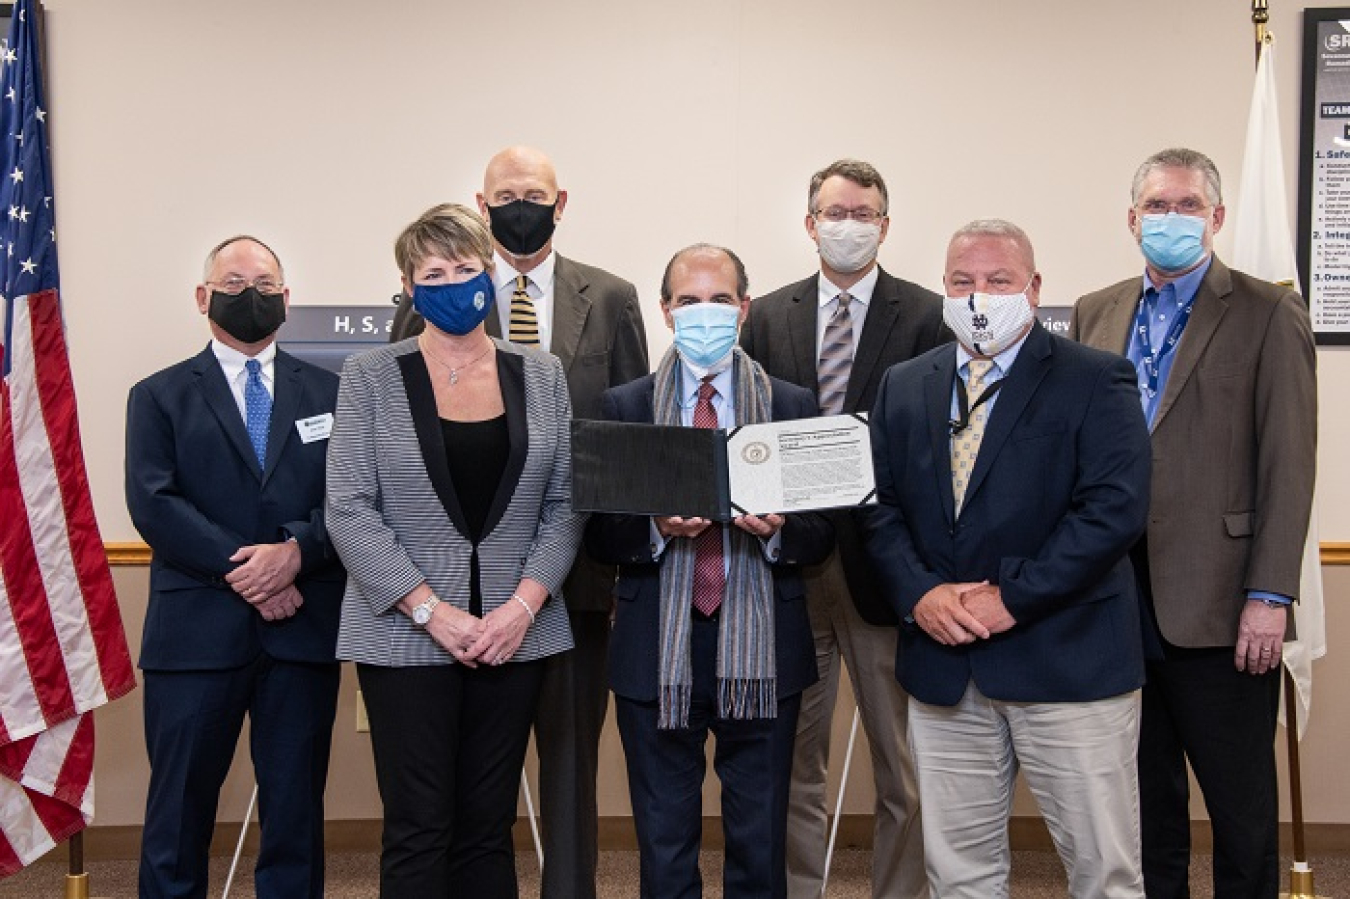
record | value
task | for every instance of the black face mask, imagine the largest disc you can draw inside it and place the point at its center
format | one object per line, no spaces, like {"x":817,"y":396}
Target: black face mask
{"x":522,"y":227}
{"x":249,"y":316}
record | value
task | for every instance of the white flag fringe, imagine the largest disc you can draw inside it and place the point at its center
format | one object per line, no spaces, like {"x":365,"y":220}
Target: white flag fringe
{"x":1263,"y":246}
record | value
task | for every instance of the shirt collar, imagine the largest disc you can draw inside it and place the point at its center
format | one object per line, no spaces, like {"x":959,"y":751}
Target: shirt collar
{"x":860,"y":292}
{"x":689,"y":384}
{"x":1185,"y":286}
{"x":232,"y":361}
{"x":542,"y":275}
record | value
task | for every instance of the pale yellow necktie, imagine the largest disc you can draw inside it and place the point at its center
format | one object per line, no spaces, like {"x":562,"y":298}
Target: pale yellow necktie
{"x":966,"y":445}
{"x":524,"y":323}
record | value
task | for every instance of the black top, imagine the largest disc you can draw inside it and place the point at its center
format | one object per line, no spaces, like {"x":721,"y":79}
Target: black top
{"x":476,"y":452}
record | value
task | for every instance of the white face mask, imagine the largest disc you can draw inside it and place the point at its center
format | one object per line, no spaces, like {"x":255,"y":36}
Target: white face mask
{"x":988,"y":323}
{"x":848,"y":246}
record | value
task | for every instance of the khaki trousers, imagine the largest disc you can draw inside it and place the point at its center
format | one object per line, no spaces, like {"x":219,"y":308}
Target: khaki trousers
{"x":842,"y":637}
{"x":1079,"y":761}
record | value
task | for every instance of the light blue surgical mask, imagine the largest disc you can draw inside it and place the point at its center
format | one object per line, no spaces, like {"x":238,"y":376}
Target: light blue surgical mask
{"x":705,"y":334}
{"x":1172,"y":242}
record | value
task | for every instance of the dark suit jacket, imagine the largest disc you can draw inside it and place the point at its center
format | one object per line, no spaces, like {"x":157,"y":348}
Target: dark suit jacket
{"x":196,"y":494}
{"x":1234,"y":448}
{"x":903,"y":320}
{"x":599,"y":337}
{"x":625,"y":540}
{"x":1058,"y":495}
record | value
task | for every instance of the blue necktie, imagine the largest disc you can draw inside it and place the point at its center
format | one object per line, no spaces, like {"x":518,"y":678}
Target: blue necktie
{"x":257,"y":410}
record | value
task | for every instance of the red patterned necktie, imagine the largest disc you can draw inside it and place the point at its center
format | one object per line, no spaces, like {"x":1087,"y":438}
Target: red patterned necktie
{"x":710,"y":577}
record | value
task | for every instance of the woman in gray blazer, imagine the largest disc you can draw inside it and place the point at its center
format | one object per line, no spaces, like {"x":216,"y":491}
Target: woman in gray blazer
{"x":448,"y":501}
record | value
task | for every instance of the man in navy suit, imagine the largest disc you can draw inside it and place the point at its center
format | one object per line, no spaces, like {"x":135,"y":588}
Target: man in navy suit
{"x":1012,"y":478}
{"x":711,"y":632}
{"x":225,"y":481}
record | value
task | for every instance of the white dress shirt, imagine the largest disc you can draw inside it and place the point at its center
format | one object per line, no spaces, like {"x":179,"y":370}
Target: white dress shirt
{"x":232,"y":363}
{"x":538,"y":284}
{"x":827,"y":297}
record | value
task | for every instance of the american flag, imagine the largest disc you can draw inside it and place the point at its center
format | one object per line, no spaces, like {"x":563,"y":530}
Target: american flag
{"x":63,"y":652}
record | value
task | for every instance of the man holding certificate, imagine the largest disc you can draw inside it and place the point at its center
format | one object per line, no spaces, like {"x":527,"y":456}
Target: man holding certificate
{"x":711,"y":632}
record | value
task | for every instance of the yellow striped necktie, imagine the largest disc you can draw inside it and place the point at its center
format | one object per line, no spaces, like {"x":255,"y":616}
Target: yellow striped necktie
{"x":524,"y":326}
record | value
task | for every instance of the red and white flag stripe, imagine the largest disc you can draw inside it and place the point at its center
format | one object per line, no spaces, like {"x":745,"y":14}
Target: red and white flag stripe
{"x":63,"y":652}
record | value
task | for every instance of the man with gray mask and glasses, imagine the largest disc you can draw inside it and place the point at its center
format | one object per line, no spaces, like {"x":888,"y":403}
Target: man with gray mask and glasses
{"x":836,"y":333}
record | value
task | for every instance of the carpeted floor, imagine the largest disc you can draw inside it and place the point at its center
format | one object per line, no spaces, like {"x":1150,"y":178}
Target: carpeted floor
{"x":1035,"y":875}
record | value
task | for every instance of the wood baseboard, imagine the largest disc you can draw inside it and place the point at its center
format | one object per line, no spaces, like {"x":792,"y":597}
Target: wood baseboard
{"x":617,"y":834}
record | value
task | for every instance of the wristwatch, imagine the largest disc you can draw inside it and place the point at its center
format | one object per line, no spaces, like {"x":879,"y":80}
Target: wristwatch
{"x":421,"y":614}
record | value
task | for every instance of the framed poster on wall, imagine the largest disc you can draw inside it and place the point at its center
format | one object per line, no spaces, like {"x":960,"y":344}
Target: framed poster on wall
{"x":1324,"y":173}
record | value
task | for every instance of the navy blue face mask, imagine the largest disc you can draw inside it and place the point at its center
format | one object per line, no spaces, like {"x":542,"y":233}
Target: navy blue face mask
{"x":456,"y":308}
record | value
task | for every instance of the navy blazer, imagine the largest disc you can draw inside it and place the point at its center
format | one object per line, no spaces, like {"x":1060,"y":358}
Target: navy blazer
{"x":196,"y":493}
{"x":625,"y":540}
{"x":1058,"y":495}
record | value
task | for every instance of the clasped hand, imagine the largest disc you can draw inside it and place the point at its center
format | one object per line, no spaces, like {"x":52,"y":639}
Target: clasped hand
{"x":265,"y":578}
{"x":955,"y":614}
{"x":491,"y":640}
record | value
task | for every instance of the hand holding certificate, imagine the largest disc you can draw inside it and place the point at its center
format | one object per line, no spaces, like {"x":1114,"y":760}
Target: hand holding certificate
{"x":790,"y":466}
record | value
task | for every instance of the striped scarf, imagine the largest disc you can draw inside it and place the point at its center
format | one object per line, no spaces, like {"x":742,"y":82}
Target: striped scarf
{"x":746,"y":666}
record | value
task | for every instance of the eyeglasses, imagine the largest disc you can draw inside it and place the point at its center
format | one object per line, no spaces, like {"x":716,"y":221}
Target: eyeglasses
{"x":838,"y":214}
{"x":236,"y":285}
{"x":1188,"y":206}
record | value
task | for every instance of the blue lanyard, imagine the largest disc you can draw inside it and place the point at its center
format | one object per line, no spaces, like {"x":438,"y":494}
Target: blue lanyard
{"x":1152,"y":359}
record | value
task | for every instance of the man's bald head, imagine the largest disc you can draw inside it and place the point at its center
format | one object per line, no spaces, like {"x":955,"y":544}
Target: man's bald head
{"x":522,"y":175}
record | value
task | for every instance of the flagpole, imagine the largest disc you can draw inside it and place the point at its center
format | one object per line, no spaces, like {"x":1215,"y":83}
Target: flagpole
{"x":77,"y":881}
{"x":1300,"y":872}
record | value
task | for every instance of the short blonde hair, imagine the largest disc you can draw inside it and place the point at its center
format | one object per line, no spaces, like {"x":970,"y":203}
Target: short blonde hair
{"x":448,"y":230}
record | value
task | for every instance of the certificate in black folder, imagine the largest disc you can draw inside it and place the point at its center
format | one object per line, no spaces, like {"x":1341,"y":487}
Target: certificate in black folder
{"x":791,"y":466}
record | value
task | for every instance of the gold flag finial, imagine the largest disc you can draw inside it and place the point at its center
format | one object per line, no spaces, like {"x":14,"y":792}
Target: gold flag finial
{"x":1260,"y":16}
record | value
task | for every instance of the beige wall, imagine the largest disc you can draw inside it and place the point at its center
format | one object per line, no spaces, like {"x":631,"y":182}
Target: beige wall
{"x":324,"y":127}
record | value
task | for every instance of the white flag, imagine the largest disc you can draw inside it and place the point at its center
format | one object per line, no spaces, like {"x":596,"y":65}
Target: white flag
{"x":1263,"y":247}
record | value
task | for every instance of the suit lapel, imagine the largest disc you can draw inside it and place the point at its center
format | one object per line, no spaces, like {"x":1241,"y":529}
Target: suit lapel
{"x":937,"y":397}
{"x":511,"y":377}
{"x":882,"y":314}
{"x":570,"y":308}
{"x":801,"y":327}
{"x":220,"y":400}
{"x":427,"y":424}
{"x":1118,"y":319}
{"x":1210,"y":307}
{"x":1019,"y":385}
{"x":287,"y":390}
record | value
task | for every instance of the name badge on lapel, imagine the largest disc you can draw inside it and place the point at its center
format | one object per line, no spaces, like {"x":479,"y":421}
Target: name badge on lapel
{"x":320,"y":427}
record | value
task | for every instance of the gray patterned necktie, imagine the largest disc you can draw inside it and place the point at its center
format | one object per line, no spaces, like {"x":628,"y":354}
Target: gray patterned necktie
{"x":836,"y":358}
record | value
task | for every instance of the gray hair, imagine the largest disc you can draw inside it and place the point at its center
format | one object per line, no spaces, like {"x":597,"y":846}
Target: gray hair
{"x":1180,"y":158}
{"x":742,"y":279}
{"x":215,"y":251}
{"x":998,"y":228}
{"x":860,"y":173}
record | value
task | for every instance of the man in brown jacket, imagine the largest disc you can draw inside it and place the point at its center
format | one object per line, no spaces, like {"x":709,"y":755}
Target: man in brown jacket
{"x":1227,"y":378}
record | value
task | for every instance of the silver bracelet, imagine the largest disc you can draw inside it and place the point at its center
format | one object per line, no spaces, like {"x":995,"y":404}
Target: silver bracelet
{"x":528,"y":610}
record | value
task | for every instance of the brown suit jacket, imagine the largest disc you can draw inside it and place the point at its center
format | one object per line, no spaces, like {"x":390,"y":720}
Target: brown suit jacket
{"x":599,"y":337}
{"x":1234,"y":448}
{"x":903,"y":321}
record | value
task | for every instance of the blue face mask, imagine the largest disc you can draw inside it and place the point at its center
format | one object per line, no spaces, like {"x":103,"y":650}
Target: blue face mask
{"x":1172,"y":242}
{"x":456,"y":308}
{"x":705,"y":333}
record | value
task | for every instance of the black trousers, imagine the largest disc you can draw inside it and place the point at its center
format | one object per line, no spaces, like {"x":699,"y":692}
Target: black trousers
{"x":567,"y":727}
{"x":449,"y":742}
{"x":192,"y":725}
{"x":666,"y":768}
{"x":1198,"y":706}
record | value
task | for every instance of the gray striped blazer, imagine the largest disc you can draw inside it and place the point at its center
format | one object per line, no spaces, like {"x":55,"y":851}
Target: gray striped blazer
{"x":392,"y":513}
